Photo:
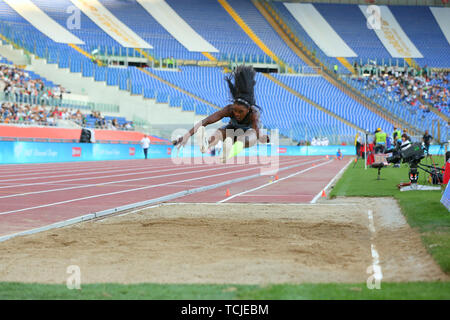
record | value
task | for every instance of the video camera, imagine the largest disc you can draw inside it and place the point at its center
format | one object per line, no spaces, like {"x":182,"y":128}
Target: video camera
{"x":410,"y":153}
{"x":413,"y":153}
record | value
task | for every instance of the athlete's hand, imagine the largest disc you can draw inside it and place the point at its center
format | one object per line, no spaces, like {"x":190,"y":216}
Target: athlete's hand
{"x":264,"y":138}
{"x":181,"y":141}
{"x":177,"y":141}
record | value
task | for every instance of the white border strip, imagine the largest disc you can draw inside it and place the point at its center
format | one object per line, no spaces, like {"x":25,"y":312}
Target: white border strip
{"x":176,"y":26}
{"x":273,"y":182}
{"x":110,"y":24}
{"x":337,"y":176}
{"x":442,"y":16}
{"x":42,"y":22}
{"x":262,"y":204}
{"x":376,"y":269}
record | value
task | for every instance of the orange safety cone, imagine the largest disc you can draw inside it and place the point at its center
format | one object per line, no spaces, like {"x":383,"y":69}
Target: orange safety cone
{"x":228,"y":194}
{"x":356,"y":160}
{"x":276,"y":177}
{"x":323,"y":194}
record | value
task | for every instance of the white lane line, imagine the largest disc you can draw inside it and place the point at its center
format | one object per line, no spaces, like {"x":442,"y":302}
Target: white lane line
{"x":274,"y":195}
{"x":371,"y":224}
{"x":119,"y":181}
{"x":376,"y":268}
{"x":172,"y":168}
{"x":179,"y":194}
{"x":39,"y":170}
{"x":43,"y":176}
{"x":265,"y":204}
{"x":273,"y":182}
{"x":337,"y":176}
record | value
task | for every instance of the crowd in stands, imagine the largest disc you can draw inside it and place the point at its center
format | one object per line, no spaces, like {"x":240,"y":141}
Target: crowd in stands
{"x":438,"y":94}
{"x":323,"y":141}
{"x":104,"y":123}
{"x":11,"y":112}
{"x":26,"y":102}
{"x":412,"y":87}
{"x":18,"y":84}
{"x":23,"y":113}
{"x":37,"y":114}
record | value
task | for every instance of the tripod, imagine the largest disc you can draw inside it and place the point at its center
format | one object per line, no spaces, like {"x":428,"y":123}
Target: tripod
{"x":414,"y":177}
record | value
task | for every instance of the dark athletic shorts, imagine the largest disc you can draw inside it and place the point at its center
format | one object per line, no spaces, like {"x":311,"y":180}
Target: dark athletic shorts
{"x":230,"y":126}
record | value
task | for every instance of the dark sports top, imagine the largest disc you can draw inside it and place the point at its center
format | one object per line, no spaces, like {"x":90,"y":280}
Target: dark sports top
{"x":427,"y":138}
{"x":245,"y":123}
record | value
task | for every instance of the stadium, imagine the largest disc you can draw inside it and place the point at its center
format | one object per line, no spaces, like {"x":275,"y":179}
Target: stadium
{"x":224,"y":150}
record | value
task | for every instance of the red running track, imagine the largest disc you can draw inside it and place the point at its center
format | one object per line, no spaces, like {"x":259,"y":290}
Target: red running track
{"x":33,"y":196}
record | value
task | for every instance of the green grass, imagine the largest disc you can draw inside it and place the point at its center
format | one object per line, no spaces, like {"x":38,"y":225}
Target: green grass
{"x":422,"y":210}
{"x":418,"y":290}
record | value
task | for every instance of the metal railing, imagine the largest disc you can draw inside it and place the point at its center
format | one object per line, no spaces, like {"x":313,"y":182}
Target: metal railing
{"x":382,"y":2}
{"x":43,"y":100}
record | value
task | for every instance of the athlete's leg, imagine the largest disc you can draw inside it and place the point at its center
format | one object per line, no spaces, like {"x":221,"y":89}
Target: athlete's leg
{"x":201,"y":139}
{"x":242,"y":138}
{"x":216,"y":137}
{"x":250,"y":138}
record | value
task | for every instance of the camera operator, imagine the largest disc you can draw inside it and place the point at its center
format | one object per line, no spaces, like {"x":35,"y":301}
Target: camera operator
{"x":397,"y":137}
{"x":380,"y":141}
{"x":426,"y":141}
{"x":406,"y":141}
{"x":403,"y":144}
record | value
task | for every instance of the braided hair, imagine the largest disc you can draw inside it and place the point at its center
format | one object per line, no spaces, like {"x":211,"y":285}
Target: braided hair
{"x":242,"y":90}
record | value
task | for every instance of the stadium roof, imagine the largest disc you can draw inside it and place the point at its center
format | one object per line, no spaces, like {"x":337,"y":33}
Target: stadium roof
{"x":379,"y":2}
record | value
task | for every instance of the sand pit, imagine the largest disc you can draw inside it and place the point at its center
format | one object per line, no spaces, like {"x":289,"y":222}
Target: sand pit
{"x":228,"y":243}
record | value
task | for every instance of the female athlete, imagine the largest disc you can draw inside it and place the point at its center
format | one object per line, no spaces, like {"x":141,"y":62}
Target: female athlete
{"x":244,"y":127}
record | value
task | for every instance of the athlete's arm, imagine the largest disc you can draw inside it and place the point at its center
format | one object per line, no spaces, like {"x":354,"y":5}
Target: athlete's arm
{"x":255,"y":126}
{"x":213,"y":118}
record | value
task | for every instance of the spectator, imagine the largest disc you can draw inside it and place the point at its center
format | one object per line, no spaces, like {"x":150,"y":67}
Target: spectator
{"x":26,"y":99}
{"x":145,"y":143}
{"x":380,"y":141}
{"x":427,"y":141}
{"x":396,"y":137}
{"x":410,"y":88}
{"x":115,"y":123}
{"x":358,"y":144}
{"x":339,"y":155}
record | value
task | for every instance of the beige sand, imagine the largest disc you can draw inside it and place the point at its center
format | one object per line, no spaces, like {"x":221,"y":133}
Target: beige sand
{"x":228,"y":243}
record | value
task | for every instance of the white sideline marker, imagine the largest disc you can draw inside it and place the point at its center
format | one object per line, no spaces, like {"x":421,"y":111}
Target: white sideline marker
{"x":338,"y":175}
{"x":378,"y":275}
{"x":266,"y":184}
